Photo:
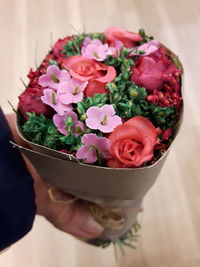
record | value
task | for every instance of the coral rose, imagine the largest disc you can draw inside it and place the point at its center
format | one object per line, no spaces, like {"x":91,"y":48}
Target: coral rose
{"x":118,"y":34}
{"x":132,"y":143}
{"x":85,"y":69}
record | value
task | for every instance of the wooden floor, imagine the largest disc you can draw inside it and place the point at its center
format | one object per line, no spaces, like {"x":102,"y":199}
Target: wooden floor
{"x":170,"y":235}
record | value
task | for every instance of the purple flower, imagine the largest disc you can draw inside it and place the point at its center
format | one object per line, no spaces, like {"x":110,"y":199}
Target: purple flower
{"x":52,"y":99}
{"x":116,"y":50}
{"x":72,"y":91}
{"x":60,"y":122}
{"x":93,"y":147}
{"x":103,"y":119}
{"x":88,"y":41}
{"x":53,"y":77}
{"x":95,"y":49}
{"x":146,"y":49}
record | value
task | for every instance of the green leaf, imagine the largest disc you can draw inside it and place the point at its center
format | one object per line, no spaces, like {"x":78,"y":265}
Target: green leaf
{"x":72,"y":47}
{"x":53,"y":62}
{"x":97,"y":35}
{"x":145,"y":37}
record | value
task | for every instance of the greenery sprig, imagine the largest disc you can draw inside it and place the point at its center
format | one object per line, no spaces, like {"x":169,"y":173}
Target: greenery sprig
{"x":42,"y":131}
{"x":145,"y":37}
{"x":126,"y":240}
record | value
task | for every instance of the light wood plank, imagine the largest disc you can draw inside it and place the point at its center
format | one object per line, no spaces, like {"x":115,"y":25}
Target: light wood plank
{"x":170,"y":235}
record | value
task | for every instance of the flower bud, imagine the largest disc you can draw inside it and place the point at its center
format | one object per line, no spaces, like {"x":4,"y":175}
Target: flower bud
{"x":133,"y":93}
{"x":83,"y":117}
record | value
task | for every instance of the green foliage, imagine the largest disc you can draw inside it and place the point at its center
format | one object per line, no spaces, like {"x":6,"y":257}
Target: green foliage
{"x":121,"y":63}
{"x":72,"y":47}
{"x":96,"y":35}
{"x":127,"y":98}
{"x":41,"y":130}
{"x":97,"y":100}
{"x":53,"y":62}
{"x":164,"y":117}
{"x":145,"y":37}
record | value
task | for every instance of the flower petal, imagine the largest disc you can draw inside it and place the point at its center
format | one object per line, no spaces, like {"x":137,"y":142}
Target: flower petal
{"x":53,"y":70}
{"x":110,"y":75}
{"x":95,"y":113}
{"x":89,"y":139}
{"x":64,"y":76}
{"x":108,"y":110}
{"x":44,"y":80}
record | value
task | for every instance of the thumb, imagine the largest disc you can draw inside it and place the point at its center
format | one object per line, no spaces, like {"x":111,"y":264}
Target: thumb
{"x":74,"y":219}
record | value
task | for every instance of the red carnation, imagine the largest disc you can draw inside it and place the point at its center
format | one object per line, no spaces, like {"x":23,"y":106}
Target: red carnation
{"x":33,"y":77}
{"x":167,"y":134}
{"x":30,"y":101}
{"x":165,"y":99}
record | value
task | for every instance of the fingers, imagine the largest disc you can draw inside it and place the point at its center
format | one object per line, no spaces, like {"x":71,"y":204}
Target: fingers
{"x":73,"y":218}
{"x":80,"y":223}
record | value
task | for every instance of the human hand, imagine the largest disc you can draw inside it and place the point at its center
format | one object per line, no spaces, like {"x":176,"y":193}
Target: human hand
{"x":72,"y":218}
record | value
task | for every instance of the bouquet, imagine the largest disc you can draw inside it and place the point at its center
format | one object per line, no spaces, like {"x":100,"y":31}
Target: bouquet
{"x":100,"y":114}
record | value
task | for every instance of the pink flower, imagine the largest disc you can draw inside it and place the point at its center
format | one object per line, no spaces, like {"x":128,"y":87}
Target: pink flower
{"x":116,"y":49}
{"x":147,"y":48}
{"x":103,"y":119}
{"x":95,"y":49}
{"x":88,"y":41}
{"x":92,"y":147}
{"x":60,"y":122}
{"x":118,"y":34}
{"x":53,"y":77}
{"x":72,"y":92}
{"x":52,"y":99}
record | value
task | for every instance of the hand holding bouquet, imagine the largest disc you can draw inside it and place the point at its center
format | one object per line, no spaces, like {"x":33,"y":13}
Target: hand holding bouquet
{"x":100,"y":113}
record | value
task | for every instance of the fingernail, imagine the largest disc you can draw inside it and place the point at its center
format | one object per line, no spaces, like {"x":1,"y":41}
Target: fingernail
{"x":91,"y":226}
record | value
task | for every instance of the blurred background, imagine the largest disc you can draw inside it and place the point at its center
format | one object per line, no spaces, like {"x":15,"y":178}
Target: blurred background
{"x":170,"y":235}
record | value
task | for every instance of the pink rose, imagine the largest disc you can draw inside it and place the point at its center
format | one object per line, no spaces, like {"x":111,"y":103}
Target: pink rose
{"x":85,"y":69}
{"x":59,"y":45}
{"x":118,"y":34}
{"x":154,"y":71}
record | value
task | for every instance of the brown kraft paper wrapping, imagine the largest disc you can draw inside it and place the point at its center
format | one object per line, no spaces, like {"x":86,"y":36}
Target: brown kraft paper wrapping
{"x":120,"y":189}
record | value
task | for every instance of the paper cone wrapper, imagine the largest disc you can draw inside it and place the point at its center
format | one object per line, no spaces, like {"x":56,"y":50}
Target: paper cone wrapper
{"x":119,"y":189}
{"x":108,"y":187}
